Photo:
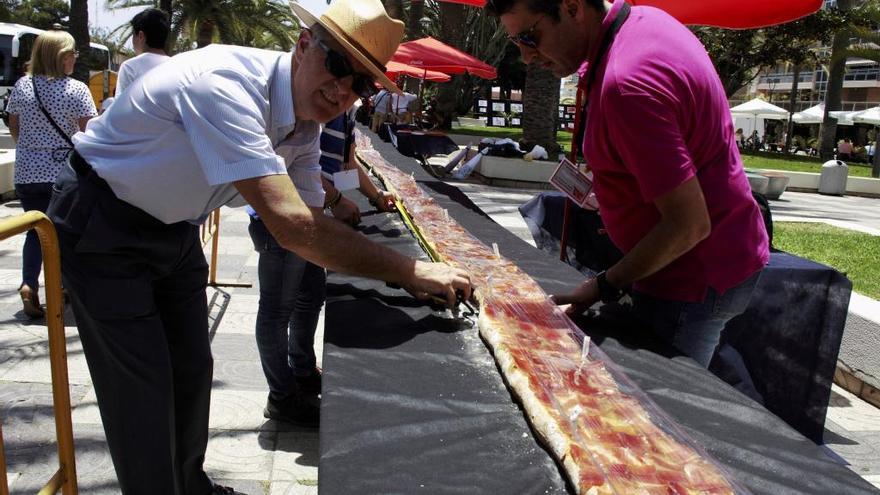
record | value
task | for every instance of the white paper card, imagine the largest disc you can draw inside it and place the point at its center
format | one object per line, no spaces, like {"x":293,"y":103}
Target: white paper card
{"x":346,"y":180}
{"x":574,"y":183}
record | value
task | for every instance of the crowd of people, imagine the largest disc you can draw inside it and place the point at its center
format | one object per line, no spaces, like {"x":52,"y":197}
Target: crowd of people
{"x":846,"y":149}
{"x":227,"y":125}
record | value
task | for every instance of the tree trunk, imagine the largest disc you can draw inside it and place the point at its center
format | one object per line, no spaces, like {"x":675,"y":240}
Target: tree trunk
{"x":452,"y":17}
{"x":416,"y":12}
{"x":792,"y":102}
{"x":414,"y":32}
{"x":165,"y":6}
{"x":394,"y":9}
{"x":206,"y":33}
{"x":540,"y":110}
{"x":79,"y":28}
{"x":828,"y":131}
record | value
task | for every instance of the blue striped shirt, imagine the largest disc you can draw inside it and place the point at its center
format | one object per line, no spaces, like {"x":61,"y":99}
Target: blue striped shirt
{"x":335,"y":142}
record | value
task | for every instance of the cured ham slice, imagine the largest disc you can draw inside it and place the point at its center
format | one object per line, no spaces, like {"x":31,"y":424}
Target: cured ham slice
{"x":606,"y":434}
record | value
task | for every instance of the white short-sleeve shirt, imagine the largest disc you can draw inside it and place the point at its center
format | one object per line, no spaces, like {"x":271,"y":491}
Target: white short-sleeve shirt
{"x":174,"y":142}
{"x":38,"y":152}
{"x":135,"y":67}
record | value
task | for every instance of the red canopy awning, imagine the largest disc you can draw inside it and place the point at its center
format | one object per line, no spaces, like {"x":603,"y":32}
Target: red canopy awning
{"x":428,"y":53}
{"x":734,"y":14}
{"x":395,"y":69}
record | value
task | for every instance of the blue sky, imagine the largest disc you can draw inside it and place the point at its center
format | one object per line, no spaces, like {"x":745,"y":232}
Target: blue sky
{"x":110,"y":19}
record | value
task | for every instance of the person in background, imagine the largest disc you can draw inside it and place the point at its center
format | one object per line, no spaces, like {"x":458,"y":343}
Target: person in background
{"x":844,"y":149}
{"x":668,"y":177}
{"x":292,"y":289}
{"x":401,"y":106}
{"x":204,"y":132}
{"x":149,"y":35}
{"x":381,"y":109}
{"x":740,"y":138}
{"x":754,"y":141}
{"x":41,"y":147}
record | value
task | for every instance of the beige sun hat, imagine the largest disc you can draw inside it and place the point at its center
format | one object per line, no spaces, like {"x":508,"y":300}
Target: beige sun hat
{"x":364,"y":30}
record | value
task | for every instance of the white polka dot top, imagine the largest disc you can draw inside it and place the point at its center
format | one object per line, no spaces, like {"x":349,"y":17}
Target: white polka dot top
{"x":67,"y":100}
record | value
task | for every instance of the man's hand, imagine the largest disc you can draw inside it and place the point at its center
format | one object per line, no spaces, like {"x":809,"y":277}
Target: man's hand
{"x":384,"y":201}
{"x":441,"y":280}
{"x":346,"y":211}
{"x":581,"y":299}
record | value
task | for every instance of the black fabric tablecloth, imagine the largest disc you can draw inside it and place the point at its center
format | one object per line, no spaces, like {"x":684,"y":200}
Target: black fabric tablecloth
{"x":412,"y":401}
{"x":413,"y":142}
{"x":788,"y":338}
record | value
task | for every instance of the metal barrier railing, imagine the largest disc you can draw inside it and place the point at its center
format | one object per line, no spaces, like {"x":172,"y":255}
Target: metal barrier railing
{"x":211,"y":232}
{"x":65,"y":477}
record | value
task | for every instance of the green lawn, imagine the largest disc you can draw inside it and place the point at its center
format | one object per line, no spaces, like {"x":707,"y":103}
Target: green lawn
{"x":771,"y":161}
{"x":794,"y":164}
{"x":853,"y":253}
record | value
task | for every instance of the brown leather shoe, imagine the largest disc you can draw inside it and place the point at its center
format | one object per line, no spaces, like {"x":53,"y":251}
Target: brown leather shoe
{"x":30,"y":299}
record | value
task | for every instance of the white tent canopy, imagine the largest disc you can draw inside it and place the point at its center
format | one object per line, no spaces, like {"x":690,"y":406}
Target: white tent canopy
{"x":815,"y":114}
{"x":761,"y":109}
{"x":812,"y":115}
{"x":869,"y":116}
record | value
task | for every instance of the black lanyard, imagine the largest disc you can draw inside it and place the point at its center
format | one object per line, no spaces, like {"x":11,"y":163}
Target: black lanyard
{"x":593,"y":68}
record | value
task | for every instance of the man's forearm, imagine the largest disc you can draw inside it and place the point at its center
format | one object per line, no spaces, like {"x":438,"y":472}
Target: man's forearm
{"x":319,"y":238}
{"x":684,"y":222}
{"x":340,"y":248}
{"x":665,"y":243}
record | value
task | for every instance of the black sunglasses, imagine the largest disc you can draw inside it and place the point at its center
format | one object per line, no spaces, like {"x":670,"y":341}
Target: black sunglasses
{"x":339,"y":67}
{"x":527,"y":38}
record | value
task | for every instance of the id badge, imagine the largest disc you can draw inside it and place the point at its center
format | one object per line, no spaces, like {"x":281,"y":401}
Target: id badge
{"x":346,"y":180}
{"x":575,"y":184}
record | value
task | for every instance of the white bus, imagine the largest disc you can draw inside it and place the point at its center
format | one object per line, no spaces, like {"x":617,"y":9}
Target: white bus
{"x":16,"y":42}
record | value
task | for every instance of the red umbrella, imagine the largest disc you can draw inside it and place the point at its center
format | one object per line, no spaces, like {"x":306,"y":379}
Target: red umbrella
{"x":740,"y":14}
{"x":428,"y":53}
{"x":395,"y":69}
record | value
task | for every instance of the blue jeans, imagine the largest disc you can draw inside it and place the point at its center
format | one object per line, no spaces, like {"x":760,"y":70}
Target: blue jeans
{"x":695,"y":328}
{"x":292,"y":291}
{"x":33,"y":197}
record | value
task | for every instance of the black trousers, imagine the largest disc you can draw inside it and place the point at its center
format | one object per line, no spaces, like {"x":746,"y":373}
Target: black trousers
{"x":137,"y":287}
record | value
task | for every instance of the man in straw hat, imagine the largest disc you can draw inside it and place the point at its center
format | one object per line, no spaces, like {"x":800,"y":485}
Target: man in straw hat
{"x":198,"y":133}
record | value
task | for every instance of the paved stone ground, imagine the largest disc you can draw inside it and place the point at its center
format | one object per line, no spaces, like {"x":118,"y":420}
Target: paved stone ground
{"x":246,"y":451}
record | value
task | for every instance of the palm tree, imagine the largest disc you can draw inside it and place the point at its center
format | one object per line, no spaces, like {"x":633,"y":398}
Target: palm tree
{"x":862,"y":19}
{"x":262,"y":23}
{"x":540,"y":109}
{"x":79,"y":28}
{"x":834,"y":89}
{"x":866,"y":16}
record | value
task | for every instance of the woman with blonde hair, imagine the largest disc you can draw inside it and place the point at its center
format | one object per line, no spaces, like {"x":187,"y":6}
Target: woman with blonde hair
{"x":45,"y":108}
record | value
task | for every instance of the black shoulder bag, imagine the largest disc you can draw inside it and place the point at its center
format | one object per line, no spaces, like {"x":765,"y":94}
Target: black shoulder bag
{"x":65,"y":150}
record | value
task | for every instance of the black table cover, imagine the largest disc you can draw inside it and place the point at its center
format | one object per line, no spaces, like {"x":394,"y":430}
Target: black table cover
{"x":412,"y":400}
{"x":413,"y":142}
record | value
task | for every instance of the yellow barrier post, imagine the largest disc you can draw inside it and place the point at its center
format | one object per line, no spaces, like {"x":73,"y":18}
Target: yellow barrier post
{"x":211,"y":231}
{"x":65,"y":477}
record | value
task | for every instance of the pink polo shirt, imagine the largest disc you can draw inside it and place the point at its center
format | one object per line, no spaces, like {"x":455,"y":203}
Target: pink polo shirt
{"x":658,"y":116}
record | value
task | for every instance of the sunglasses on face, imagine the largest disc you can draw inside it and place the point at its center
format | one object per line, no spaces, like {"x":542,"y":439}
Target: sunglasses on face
{"x":339,"y":67}
{"x":527,"y":38}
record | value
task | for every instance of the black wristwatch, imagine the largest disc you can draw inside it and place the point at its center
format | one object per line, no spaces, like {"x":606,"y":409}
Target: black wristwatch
{"x":607,"y":292}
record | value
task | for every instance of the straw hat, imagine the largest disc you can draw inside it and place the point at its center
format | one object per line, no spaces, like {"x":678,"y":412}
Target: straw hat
{"x":364,"y":30}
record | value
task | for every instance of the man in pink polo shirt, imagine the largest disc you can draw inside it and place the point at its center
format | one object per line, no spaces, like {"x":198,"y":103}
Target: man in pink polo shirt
{"x":667,"y":173}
